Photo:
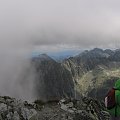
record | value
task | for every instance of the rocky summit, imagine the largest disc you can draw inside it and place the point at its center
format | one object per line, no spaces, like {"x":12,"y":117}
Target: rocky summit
{"x":65,"y":109}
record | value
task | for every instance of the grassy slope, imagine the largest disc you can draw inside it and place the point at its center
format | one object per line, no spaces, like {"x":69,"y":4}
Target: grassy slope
{"x":95,"y":82}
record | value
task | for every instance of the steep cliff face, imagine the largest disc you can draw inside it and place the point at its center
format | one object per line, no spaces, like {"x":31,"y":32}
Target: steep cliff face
{"x":53,"y":81}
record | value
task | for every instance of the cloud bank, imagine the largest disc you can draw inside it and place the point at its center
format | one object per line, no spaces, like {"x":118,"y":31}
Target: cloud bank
{"x":51,"y":25}
{"x":66,"y":22}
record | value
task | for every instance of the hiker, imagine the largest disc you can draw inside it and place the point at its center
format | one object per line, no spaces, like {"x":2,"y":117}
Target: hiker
{"x":113,"y":101}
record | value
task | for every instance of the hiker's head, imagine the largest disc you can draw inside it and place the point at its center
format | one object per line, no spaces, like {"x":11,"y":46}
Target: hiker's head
{"x":117,"y":84}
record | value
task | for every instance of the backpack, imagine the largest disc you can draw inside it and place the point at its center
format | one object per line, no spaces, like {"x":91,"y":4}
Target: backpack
{"x":110,"y":99}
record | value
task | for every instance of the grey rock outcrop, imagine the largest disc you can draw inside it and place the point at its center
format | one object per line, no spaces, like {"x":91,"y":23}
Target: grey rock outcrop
{"x":65,"y":109}
{"x":12,"y":109}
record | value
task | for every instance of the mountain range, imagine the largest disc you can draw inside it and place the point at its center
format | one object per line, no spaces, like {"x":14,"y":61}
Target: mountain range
{"x":91,"y":73}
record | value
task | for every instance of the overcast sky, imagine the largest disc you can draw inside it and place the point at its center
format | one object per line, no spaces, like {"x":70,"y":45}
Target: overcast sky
{"x":27,"y":26}
{"x":58,"y":24}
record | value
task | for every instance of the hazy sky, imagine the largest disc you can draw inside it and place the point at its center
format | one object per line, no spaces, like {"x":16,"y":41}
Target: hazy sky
{"x":60,"y":24}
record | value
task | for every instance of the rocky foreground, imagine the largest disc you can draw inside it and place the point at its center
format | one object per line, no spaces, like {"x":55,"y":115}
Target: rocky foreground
{"x":65,"y":109}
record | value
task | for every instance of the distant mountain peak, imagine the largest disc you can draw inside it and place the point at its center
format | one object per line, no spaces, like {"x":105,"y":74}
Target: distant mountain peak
{"x":43,"y":57}
{"x":97,"y":49}
{"x":117,"y":50}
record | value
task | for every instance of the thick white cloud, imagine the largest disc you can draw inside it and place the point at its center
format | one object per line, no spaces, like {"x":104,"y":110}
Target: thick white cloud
{"x":72,"y":22}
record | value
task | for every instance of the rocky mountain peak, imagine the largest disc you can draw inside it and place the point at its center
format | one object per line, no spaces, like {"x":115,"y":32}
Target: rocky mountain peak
{"x":65,"y":109}
{"x":97,"y":50}
{"x":42,"y":57}
{"x":108,"y":51}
